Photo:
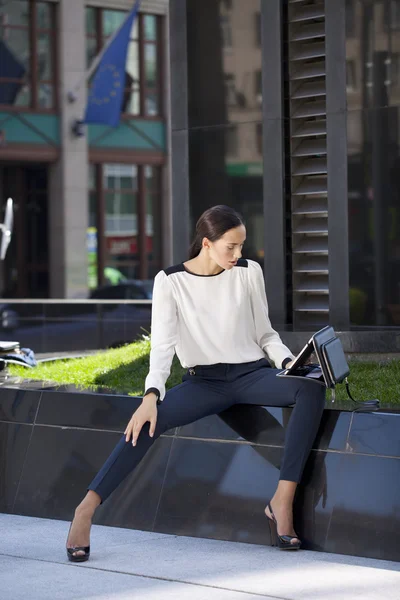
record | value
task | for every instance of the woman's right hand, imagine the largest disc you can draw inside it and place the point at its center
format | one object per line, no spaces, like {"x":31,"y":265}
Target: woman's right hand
{"x":147,"y":411}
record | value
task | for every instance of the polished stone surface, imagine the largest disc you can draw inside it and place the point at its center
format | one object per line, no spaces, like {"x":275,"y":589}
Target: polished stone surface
{"x":66,"y":471}
{"x":14,"y":443}
{"x":377,"y":433}
{"x":365,"y":518}
{"x":18,"y":406}
{"x":209,"y":479}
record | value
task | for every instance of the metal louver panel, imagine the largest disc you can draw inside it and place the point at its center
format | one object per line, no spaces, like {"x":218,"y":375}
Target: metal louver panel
{"x":309,"y":128}
{"x":313,"y":166}
{"x":311,"y":147}
{"x":307,"y":32}
{"x":310,"y":186}
{"x":308,"y":162}
{"x":309,"y":50}
{"x":309,"y":109}
{"x":311,"y":225}
{"x":308,"y":12}
{"x":310,"y":90}
{"x":308,"y":71}
{"x":313,"y":205}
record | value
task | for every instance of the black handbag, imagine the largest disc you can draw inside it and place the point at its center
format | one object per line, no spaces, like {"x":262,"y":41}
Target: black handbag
{"x":332,"y":364}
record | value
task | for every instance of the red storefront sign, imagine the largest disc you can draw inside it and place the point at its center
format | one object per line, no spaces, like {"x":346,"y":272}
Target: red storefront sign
{"x":126,"y":245}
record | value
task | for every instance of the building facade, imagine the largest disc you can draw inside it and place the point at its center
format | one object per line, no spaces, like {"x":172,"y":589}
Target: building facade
{"x":286,"y":110}
{"x":89,"y":200}
{"x":289,"y":112}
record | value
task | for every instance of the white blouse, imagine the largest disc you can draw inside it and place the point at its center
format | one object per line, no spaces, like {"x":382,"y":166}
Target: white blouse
{"x":212,"y":319}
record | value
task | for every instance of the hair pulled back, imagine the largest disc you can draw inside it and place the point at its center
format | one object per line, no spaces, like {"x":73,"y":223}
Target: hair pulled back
{"x":213,"y":224}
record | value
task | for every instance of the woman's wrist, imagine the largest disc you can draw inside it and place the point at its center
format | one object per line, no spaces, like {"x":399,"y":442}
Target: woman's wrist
{"x":151,"y":397}
{"x":153,"y":394}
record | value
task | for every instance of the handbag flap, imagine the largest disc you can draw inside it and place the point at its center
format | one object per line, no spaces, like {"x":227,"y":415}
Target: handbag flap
{"x":336,"y":360}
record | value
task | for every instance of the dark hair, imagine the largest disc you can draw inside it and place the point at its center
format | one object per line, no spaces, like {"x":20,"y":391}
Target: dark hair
{"x":213,"y":224}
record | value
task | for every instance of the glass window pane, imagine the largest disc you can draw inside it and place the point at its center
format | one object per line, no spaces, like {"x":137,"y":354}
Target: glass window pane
{"x":43,"y":15}
{"x":115,"y":173}
{"x":92,"y":176}
{"x":23,"y":97}
{"x":91,"y":50}
{"x":15,"y":12}
{"x":151,"y":103}
{"x":45,"y":95}
{"x":127,"y":203}
{"x":44,"y":58}
{"x":90,"y":14}
{"x":153,"y":219}
{"x":150,"y":27}
{"x":131,"y":101}
{"x":150,"y":174}
{"x":112,"y":20}
{"x":132,"y":64}
{"x":16,"y":50}
{"x":92,"y":208}
{"x":121,"y":213}
{"x":150,"y":64}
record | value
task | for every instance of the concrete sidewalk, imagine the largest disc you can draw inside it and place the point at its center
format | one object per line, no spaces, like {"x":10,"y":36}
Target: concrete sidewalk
{"x":129,"y":564}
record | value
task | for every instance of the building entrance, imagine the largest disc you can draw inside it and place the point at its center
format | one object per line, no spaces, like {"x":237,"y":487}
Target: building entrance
{"x":25,"y":271}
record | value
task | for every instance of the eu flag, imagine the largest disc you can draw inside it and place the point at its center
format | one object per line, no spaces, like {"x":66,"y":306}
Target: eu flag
{"x":107,"y":89}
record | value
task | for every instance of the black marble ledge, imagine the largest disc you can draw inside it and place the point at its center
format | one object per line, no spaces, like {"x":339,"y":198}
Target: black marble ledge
{"x":18,"y":405}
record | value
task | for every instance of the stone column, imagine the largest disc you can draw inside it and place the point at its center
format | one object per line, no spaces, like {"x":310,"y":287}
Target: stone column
{"x":68,"y":190}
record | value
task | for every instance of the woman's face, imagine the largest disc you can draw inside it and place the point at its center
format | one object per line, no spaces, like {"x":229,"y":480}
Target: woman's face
{"x":228,"y":249}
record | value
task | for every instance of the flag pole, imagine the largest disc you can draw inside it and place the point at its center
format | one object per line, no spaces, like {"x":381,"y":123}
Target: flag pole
{"x":72,"y":94}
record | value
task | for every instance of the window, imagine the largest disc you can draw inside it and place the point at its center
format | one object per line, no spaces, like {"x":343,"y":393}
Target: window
{"x":143,"y":72}
{"x":350,"y":18}
{"x":257,"y":23}
{"x":394,"y":70}
{"x":351,"y":82}
{"x":259,"y":138}
{"x":258,"y":87}
{"x":391,"y":15}
{"x":226,"y":31}
{"x":27,"y":54}
{"x":125,"y":219}
{"x":230,"y":89}
{"x":231,"y":140}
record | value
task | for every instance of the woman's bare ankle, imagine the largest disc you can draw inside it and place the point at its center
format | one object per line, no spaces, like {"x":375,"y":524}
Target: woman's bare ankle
{"x":88,"y":505}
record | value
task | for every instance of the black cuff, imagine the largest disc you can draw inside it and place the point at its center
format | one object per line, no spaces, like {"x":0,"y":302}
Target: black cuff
{"x":154,"y":391}
{"x":286,"y":361}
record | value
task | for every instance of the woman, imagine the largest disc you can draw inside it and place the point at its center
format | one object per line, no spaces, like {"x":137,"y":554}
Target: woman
{"x":212,"y":310}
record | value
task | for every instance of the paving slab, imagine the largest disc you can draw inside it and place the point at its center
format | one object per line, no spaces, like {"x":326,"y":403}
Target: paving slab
{"x":136,"y":564}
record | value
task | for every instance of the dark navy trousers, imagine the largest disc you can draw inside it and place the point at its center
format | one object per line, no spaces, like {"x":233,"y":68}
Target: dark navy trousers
{"x":211,"y":389}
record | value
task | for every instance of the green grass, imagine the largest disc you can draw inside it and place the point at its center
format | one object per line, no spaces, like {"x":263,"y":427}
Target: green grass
{"x":124,"y":370}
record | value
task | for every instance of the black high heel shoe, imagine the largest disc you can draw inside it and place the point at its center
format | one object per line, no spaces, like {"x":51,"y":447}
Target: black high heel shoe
{"x":71,"y":551}
{"x":283,"y":542}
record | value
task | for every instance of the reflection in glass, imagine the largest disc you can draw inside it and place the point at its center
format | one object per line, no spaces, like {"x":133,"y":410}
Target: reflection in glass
{"x":225,"y":114}
{"x":150,"y":28}
{"x":17,"y":41}
{"x":153,"y":219}
{"x":131,"y":101}
{"x":121,"y":226}
{"x":45,"y":95}
{"x":373,"y":99}
{"x":91,"y":50}
{"x":112,"y":20}
{"x":44,"y":57}
{"x":150,"y":62}
{"x":90,"y":13}
{"x":15,"y":13}
{"x":43,"y":15}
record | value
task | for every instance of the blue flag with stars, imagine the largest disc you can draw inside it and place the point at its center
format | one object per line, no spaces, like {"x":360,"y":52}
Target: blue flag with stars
{"x":107,"y":89}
